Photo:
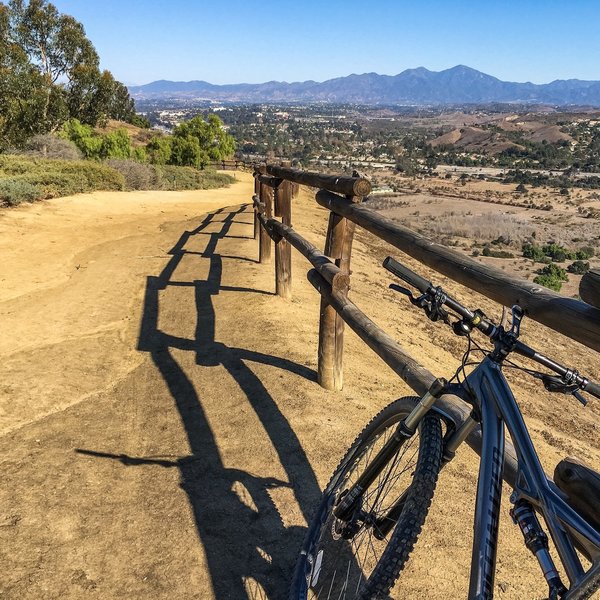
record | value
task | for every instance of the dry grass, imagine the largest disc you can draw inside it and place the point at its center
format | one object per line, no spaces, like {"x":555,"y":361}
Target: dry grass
{"x":477,"y":228}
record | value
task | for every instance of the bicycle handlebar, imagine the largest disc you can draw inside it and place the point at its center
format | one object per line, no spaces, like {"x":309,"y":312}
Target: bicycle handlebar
{"x":485,"y":326}
{"x":592,"y":388}
{"x":407,"y":275}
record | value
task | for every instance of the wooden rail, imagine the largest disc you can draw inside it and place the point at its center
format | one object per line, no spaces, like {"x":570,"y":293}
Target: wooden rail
{"x":331,"y":278}
{"x":229,"y":165}
{"x":575,"y":319}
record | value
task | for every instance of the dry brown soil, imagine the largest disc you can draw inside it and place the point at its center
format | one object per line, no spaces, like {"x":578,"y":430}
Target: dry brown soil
{"x":163,"y":434}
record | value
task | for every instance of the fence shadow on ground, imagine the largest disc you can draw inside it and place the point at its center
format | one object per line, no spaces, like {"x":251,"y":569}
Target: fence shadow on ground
{"x":245,"y":548}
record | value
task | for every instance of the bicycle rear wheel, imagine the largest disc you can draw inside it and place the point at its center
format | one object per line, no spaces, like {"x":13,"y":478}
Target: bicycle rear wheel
{"x":344,"y":560}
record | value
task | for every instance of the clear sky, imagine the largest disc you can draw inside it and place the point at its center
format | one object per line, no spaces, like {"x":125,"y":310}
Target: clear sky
{"x":237,"y":41}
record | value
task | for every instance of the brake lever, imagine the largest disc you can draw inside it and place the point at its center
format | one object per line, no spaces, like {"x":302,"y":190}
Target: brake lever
{"x":419,"y":302}
{"x":402,"y":290}
{"x":556,"y":384}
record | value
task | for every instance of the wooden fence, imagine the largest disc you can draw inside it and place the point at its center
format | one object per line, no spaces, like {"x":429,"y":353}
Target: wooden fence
{"x":229,"y":165}
{"x":275,"y":187}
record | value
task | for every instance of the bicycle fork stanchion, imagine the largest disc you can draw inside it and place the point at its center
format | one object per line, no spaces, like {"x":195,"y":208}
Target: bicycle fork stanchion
{"x":405,"y":430}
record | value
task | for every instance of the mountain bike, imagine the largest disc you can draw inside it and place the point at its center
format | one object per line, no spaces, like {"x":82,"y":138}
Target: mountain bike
{"x":373,"y":509}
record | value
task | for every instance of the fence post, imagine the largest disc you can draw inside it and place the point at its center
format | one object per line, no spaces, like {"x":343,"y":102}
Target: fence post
{"x":283,"y":249}
{"x":338,"y":246}
{"x":266,"y":196}
{"x":256,"y":193}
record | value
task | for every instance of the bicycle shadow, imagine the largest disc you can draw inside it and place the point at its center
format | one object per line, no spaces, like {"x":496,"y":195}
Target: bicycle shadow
{"x":237,"y":521}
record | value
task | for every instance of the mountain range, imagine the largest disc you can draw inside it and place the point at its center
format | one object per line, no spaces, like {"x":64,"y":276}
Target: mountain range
{"x":458,"y":85}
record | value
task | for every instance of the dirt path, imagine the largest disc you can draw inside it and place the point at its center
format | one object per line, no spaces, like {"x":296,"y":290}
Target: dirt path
{"x":163,"y":432}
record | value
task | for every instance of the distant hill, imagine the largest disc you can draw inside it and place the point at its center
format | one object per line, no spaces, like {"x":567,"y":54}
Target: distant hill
{"x":494,"y":140}
{"x":458,"y":85}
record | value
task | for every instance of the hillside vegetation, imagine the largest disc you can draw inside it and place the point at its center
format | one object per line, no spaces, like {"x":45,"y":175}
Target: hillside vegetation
{"x":26,"y":179}
{"x":66,"y":127}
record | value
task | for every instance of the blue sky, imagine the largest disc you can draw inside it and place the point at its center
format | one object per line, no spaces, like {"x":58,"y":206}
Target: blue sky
{"x":236,"y":41}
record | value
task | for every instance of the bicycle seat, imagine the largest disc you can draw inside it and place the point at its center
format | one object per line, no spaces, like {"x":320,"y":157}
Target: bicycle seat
{"x":581,"y":484}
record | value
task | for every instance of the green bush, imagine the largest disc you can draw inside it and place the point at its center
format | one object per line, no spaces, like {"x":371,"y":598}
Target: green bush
{"x":116,"y":145}
{"x":54,"y":184}
{"x":534,"y":252}
{"x":97,"y":176}
{"x":25,"y":178}
{"x":83,"y":136}
{"x":553,"y":270}
{"x":487,"y":251}
{"x":548,"y":281}
{"x":557,"y":253}
{"x":187,"y":178}
{"x":55,"y":178}
{"x":579,"y":267}
{"x":159,"y":150}
{"x":15,"y":191}
{"x":551,"y":276}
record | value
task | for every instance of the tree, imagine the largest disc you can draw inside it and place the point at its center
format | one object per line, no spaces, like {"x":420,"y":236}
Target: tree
{"x":56,"y":45}
{"x":116,"y":145}
{"x":20,"y":89}
{"x":159,"y":149}
{"x":186,"y":152}
{"x":49,"y":73}
{"x":212,"y":138}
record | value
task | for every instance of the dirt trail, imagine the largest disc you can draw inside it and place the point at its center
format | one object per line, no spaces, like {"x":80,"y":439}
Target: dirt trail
{"x":163,"y":432}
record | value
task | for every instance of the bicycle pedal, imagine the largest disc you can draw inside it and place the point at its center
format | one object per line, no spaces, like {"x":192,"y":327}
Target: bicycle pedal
{"x":589,"y":584}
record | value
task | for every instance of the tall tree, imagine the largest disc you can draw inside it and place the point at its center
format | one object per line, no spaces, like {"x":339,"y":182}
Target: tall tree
{"x":21,"y":89}
{"x":49,"y":72}
{"x":57,"y":46}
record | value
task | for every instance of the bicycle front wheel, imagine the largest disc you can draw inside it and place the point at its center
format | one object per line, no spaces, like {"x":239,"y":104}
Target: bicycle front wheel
{"x":362,"y":558}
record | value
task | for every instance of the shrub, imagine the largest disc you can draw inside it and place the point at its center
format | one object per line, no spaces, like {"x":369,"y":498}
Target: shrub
{"x":139,"y":153}
{"x":15,"y":191}
{"x":137,"y":175}
{"x":551,"y":276}
{"x":54,"y":184}
{"x":53,"y":147}
{"x":487,"y":251}
{"x":579,"y":267}
{"x":83,"y":136}
{"x":187,"y":178}
{"x":116,"y":145}
{"x":554,"y":271}
{"x":159,"y":150}
{"x":56,"y":178}
{"x":97,"y":175}
{"x":557,"y":253}
{"x":533,"y":251}
{"x":548,"y":281}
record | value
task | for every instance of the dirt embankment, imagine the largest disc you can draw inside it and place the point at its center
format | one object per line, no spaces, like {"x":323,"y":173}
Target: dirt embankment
{"x":163,"y":435}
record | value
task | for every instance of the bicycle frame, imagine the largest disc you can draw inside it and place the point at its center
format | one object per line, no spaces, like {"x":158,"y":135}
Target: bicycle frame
{"x":498,"y":408}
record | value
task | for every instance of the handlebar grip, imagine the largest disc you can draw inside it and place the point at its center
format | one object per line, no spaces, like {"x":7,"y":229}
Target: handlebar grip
{"x":592,"y":388}
{"x":393,"y":266}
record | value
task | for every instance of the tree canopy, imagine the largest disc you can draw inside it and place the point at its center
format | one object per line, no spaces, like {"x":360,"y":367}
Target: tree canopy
{"x":49,"y":73}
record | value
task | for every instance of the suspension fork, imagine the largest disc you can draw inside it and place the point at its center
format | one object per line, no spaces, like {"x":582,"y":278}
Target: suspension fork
{"x":384,"y":524}
{"x":350,"y":500}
